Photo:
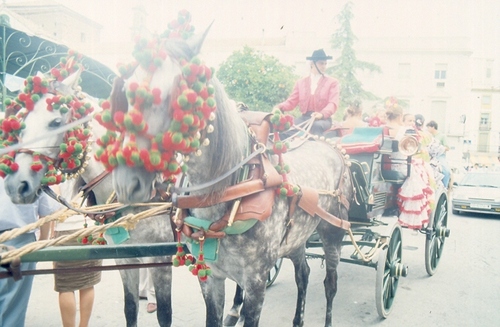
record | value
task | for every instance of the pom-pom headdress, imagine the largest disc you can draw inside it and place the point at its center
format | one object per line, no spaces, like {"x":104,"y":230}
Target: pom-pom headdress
{"x":191,"y":101}
{"x":73,"y":151}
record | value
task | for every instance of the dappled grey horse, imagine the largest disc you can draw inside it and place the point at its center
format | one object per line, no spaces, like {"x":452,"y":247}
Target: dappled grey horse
{"x":224,"y":140}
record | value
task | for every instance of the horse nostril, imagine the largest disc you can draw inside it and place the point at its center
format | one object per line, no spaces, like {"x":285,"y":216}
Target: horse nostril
{"x":24,"y":188}
{"x":134,"y":186}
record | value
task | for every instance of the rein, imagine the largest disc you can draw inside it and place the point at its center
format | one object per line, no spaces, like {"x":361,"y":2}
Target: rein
{"x":259,"y":149}
{"x":65,"y":203}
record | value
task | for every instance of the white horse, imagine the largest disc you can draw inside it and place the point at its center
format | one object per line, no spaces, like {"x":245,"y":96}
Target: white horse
{"x":248,"y":257}
{"x":25,"y":184}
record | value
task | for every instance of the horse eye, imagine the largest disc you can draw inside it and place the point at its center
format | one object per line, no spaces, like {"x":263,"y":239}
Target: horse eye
{"x":55,"y":123}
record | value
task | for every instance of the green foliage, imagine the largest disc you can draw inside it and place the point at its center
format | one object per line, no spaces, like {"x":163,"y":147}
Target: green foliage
{"x":258,"y":80}
{"x":345,"y":67}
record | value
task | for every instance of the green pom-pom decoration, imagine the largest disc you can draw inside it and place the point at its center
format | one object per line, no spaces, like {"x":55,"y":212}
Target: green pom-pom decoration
{"x":177,"y":138}
{"x":173,"y":166}
{"x":182,"y":101}
{"x":35,"y":97}
{"x":78,"y":148}
{"x":154,"y":158}
{"x":119,"y":158}
{"x":195,"y":144}
{"x":211,"y":102}
{"x":175,"y":126}
{"x":188,"y":119}
{"x":112,"y":161}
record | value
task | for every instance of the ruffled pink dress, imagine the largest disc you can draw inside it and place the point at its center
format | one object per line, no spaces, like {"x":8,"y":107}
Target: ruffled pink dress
{"x":416,"y":195}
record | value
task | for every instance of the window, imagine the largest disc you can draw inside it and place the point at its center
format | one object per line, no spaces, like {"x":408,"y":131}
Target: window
{"x":404,"y":71}
{"x":440,"y":71}
{"x":440,"y":74}
{"x":488,"y":72}
{"x":486,"y":102}
{"x":484,"y":121}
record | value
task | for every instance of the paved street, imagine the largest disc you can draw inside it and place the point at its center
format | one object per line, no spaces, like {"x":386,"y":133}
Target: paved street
{"x":464,"y":291}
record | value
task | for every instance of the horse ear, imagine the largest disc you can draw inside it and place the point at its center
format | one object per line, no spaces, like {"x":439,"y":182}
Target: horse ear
{"x":196,"y":41}
{"x":72,"y":80}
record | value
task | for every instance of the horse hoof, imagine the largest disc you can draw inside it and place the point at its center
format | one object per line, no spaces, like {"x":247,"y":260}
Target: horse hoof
{"x":230,"y":321}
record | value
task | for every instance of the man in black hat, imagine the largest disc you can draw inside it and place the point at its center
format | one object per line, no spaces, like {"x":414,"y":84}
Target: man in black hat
{"x":317,"y":95}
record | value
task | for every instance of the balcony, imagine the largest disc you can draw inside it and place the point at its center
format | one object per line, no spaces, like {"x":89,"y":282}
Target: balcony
{"x":485,"y":127}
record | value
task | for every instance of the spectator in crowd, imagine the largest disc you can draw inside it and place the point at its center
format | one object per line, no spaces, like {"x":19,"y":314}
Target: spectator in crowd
{"x":354,"y":117}
{"x":394,"y":118}
{"x":14,"y":295}
{"x":409,"y":120}
{"x":82,"y":281}
{"x":419,"y":122}
{"x":432,"y":127}
{"x":317,"y":95}
{"x":378,"y":119}
{"x":147,"y":289}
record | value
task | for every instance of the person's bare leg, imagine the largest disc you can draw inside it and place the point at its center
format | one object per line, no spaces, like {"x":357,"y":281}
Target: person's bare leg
{"x":67,"y":305}
{"x":86,"y":304}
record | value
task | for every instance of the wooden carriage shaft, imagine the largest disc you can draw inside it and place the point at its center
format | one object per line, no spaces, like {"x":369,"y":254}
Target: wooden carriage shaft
{"x":88,"y":269}
{"x":94,"y":252}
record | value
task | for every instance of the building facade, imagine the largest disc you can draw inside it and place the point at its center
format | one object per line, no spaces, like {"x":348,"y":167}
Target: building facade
{"x":442,"y":57}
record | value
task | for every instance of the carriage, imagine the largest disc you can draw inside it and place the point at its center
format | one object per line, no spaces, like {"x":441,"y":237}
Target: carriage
{"x":371,"y":241}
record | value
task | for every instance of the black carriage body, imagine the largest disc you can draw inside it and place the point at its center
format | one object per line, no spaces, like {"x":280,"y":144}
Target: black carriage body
{"x":376,"y":182}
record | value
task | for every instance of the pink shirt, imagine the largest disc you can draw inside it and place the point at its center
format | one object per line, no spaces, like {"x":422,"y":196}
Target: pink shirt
{"x":325,"y":100}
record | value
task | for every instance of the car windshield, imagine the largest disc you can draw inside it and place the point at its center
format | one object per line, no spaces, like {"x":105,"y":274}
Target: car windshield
{"x":481,"y":179}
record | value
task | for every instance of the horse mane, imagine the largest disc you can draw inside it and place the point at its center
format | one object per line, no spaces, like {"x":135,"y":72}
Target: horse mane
{"x":229,"y":140}
{"x":9,"y":111}
{"x":118,"y":98}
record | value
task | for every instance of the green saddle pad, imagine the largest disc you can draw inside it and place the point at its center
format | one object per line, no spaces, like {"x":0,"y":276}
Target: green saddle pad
{"x":117,"y":234}
{"x":211,"y":245}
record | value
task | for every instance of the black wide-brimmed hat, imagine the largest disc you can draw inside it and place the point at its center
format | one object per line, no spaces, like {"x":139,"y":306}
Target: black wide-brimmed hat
{"x":319,"y":55}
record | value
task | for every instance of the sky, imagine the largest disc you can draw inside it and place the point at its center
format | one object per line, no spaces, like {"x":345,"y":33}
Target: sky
{"x":235,"y":18}
{"x":275,"y":18}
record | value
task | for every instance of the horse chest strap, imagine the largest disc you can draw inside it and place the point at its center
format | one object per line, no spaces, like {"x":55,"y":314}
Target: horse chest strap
{"x":309,"y":203}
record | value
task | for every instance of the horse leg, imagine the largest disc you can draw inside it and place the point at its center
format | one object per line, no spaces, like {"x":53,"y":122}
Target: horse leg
{"x":233,"y":315}
{"x":253,"y":301}
{"x":213,"y":290}
{"x":332,"y":244}
{"x":162,"y":280}
{"x":302,"y":271}
{"x":130,"y":280}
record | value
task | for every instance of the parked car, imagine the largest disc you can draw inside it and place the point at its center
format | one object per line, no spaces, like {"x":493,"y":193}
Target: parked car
{"x":478,"y":191}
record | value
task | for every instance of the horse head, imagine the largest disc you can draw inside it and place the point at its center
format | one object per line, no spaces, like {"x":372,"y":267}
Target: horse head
{"x":37,"y":118}
{"x":161,"y":111}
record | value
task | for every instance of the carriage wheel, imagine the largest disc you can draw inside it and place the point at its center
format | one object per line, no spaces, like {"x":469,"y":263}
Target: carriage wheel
{"x":436,"y":234}
{"x":273,"y":273}
{"x":389,"y":269}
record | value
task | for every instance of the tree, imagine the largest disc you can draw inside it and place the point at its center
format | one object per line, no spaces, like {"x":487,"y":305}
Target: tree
{"x":258,"y":80}
{"x":345,"y":67}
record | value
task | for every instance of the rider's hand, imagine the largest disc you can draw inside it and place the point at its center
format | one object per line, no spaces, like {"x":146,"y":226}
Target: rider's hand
{"x":317,"y":116}
{"x":276,"y":109}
